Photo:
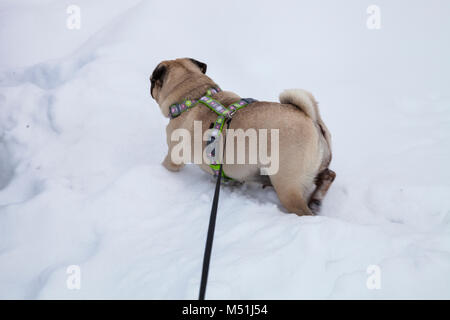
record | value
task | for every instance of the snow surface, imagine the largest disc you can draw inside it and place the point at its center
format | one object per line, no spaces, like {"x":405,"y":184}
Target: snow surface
{"x":81,"y":142}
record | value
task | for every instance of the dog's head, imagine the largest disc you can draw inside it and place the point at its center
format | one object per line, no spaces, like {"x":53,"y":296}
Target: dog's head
{"x":175,"y":80}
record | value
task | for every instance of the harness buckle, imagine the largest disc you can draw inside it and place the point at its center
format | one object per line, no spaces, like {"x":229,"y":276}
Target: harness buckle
{"x":231,"y":114}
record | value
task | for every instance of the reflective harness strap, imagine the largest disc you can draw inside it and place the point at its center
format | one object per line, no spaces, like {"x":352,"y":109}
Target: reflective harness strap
{"x":223,"y":113}
{"x":178,"y":108}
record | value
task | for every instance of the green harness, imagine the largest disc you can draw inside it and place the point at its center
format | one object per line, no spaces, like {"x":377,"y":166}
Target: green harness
{"x":223,"y":114}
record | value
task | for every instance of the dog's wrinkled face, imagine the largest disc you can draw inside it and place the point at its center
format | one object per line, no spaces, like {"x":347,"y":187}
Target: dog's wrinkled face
{"x":173,"y":76}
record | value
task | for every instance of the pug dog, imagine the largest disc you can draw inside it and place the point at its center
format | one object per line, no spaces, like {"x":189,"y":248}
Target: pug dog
{"x":303,"y":177}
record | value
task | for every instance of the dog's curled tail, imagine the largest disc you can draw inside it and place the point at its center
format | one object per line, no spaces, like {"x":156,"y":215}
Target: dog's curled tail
{"x":304,"y":100}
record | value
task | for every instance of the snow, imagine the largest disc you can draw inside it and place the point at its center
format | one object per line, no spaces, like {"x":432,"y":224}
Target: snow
{"x":81,"y":142}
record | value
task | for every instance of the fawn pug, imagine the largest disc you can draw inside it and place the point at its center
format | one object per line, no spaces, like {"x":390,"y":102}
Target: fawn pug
{"x":303,"y":176}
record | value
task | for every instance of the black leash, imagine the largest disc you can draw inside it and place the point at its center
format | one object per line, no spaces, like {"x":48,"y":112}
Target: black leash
{"x":211,"y":228}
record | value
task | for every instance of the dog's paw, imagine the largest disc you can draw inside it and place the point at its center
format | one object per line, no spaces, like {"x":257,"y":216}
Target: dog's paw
{"x":169,"y":165}
{"x":315,"y":205}
{"x":327,"y":175}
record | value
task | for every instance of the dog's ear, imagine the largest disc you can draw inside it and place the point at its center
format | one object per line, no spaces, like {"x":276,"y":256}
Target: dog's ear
{"x":199,"y":64}
{"x":157,"y":77}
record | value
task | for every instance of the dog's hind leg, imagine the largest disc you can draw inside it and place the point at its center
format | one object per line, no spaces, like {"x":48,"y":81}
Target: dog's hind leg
{"x":291,"y":194}
{"x":323,"y":183}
